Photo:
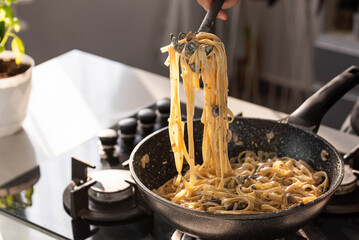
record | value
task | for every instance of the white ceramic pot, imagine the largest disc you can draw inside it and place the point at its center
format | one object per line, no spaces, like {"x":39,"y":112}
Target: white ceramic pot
{"x":14,"y":97}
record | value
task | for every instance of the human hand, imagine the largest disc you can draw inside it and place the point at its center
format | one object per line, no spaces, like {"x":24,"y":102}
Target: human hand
{"x":206,"y":4}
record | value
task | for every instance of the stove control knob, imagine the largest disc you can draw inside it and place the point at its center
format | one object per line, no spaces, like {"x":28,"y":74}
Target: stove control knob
{"x":127,"y":130}
{"x":108,"y":148}
{"x":108,"y":137}
{"x":147,"y":119}
{"x":163,"y":107}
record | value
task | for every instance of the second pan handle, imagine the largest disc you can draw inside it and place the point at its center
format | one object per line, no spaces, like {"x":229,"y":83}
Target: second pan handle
{"x":310,"y":113}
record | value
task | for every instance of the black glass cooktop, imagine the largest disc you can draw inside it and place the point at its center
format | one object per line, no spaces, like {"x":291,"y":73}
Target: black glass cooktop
{"x":42,"y":205}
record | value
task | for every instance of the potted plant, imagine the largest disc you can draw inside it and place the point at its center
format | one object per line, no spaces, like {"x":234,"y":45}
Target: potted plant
{"x":15,"y":72}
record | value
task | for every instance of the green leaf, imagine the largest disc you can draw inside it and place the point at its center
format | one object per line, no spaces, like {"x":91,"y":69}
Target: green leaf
{"x":28,"y":193}
{"x":2,"y":47}
{"x":9,"y":201}
{"x":2,"y":15}
{"x":28,"y":196}
{"x":2,"y":204}
{"x":8,"y":12}
{"x":9,"y":15}
{"x":18,"y":49}
{"x":9,"y":2}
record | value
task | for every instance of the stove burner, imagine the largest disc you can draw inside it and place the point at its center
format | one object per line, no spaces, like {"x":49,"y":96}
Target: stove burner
{"x":349,"y":183}
{"x":346,"y":198}
{"x":111,"y":185}
{"x":104,"y":196}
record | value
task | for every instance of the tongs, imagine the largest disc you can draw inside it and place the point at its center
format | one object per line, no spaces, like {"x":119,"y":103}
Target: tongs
{"x":208,"y":21}
{"x":206,"y":26}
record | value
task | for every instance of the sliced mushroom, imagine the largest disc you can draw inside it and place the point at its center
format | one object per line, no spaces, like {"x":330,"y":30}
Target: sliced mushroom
{"x":208,"y":49}
{"x":290,"y":199}
{"x":242,"y":179}
{"x":181,"y":36}
{"x":215,"y":111}
{"x":190,"y":48}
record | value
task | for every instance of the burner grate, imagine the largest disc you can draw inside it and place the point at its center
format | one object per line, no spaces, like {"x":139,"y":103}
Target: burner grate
{"x":83,"y":199}
{"x":346,"y":198}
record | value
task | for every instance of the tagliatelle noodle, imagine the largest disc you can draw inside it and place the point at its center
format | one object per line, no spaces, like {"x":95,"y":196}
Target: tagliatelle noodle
{"x":252,"y":182}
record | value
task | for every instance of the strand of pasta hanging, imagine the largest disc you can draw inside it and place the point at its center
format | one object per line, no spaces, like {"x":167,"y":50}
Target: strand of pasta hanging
{"x":201,"y":56}
{"x":248,"y":183}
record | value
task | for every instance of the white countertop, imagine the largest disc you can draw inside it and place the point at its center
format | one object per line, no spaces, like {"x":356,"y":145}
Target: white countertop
{"x":11,"y":228}
{"x":68,"y":97}
{"x":77,"y":94}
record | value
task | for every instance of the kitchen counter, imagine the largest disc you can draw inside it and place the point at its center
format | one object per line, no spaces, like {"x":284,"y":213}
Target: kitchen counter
{"x":11,"y":228}
{"x":77,"y":94}
{"x":82,"y":93}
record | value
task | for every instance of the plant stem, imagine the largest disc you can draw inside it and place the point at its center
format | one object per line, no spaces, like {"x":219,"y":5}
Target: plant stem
{"x":6,"y":36}
{"x":12,"y":35}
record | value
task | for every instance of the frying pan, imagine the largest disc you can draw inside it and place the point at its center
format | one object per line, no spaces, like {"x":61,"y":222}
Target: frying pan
{"x":294,"y":137}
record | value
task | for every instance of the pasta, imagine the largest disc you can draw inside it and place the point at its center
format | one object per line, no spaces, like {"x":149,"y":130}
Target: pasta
{"x":249,"y":183}
{"x":260,"y":182}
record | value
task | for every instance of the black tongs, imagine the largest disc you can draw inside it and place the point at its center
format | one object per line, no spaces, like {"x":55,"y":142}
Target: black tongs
{"x":208,"y":21}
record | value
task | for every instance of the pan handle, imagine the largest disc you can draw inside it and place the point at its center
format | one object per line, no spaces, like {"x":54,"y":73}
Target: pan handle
{"x":310,"y":113}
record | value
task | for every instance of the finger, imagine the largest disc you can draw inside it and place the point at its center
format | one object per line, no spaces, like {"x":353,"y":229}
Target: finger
{"x":229,"y":3}
{"x":222,"y":15}
{"x":205,"y":4}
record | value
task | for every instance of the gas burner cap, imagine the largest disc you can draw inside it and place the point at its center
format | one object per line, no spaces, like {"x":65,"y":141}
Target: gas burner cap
{"x":111,"y":185}
{"x":346,"y":198}
{"x":349,"y":183}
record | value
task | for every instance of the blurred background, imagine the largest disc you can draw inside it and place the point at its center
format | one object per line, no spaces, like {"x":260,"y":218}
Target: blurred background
{"x":277,"y":55}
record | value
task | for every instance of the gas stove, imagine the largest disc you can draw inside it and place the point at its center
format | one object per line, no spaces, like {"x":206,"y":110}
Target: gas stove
{"x":95,"y":198}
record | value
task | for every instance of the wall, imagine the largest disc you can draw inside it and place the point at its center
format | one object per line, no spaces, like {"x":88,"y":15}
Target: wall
{"x":129,"y":31}
{"x":329,"y":62}
{"x":132,"y":32}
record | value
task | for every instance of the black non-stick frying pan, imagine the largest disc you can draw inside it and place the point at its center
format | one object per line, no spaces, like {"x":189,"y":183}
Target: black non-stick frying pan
{"x":294,"y":137}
